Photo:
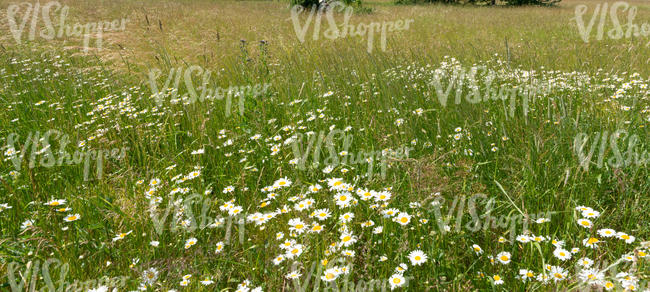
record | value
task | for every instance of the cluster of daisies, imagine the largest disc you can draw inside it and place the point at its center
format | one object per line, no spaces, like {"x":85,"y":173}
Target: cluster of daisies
{"x":588,"y":272}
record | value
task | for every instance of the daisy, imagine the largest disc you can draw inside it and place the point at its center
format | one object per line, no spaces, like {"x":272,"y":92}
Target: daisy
{"x":609,"y":285}
{"x":591,"y":276}
{"x":606,"y":232}
{"x":403,"y":218}
{"x":558,"y":273}
{"x":317,"y":228}
{"x":504,"y":257}
{"x":295,"y":251}
{"x":584,"y":209}
{"x":523,"y":238}
{"x":347,"y":239}
{"x":27,"y":224}
{"x":121,"y":236}
{"x":54,"y":203}
{"x":626,"y":237}
{"x":279,"y":259}
{"x":538,"y":238}
{"x":396,"y":280}
{"x":496,"y":279}
{"x":154,"y":182}
{"x":643,"y":254}
{"x":628,"y":258}
{"x":71,"y":218}
{"x":343,"y":199}
{"x":219,"y":247}
{"x":297,"y":225}
{"x":562,"y":254}
{"x":207,"y":282}
{"x":585,"y":262}
{"x":4,"y":206}
{"x":330,"y":275}
{"x":590,"y":214}
{"x":526,"y":275}
{"x":417,"y":257}
{"x":477,"y":249}
{"x":190,"y":242}
{"x":235,"y":210}
{"x":281,"y":183}
{"x":150,"y":275}
{"x":586,"y":223}
{"x":557,"y":243}
{"x":542,"y":278}
{"x":346,"y":217}
{"x":293,"y":275}
{"x":591,"y":242}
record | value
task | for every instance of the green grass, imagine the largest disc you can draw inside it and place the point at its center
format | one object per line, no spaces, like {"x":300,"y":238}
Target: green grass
{"x":104,"y":99}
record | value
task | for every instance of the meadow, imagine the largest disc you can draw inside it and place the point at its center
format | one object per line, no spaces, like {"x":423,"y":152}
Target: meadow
{"x":203,"y":145}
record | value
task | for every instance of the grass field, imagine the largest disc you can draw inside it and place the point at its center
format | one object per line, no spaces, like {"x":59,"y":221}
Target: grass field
{"x":202,"y":146}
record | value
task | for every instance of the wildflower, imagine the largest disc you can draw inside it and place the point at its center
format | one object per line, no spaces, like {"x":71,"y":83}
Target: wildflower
{"x":190,"y":242}
{"x":562,"y":254}
{"x":586,"y":223}
{"x":526,"y":275}
{"x":396,"y":280}
{"x":347,"y":239}
{"x":590,"y":214}
{"x":54,"y":203}
{"x":121,"y":236}
{"x":295,"y":251}
{"x":293,"y":275}
{"x":279,"y":259}
{"x":591,"y":276}
{"x":496,"y":279}
{"x":558,"y":273}
{"x":504,"y":257}
{"x":71,"y":218}
{"x":27,"y":224}
{"x":403,"y":218}
{"x":330,"y":275}
{"x":417,"y":257}
{"x":624,"y":236}
{"x":585,"y":262}
{"x":150,"y":275}
{"x":477,"y":249}
{"x":523,"y":238}
{"x":591,"y":242}
{"x":606,"y":232}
